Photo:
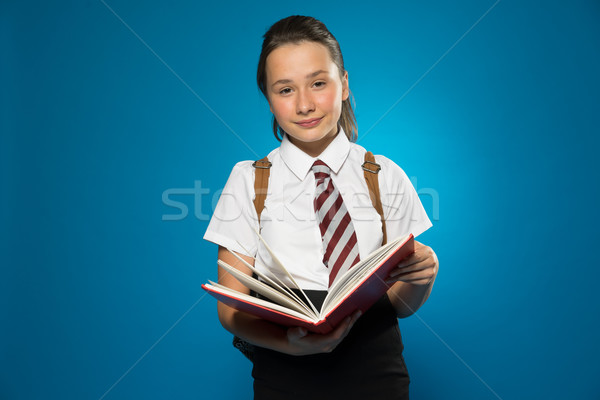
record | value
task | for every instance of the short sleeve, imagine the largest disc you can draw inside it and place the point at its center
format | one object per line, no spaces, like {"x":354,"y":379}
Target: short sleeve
{"x":234,"y":222}
{"x":402,"y":208}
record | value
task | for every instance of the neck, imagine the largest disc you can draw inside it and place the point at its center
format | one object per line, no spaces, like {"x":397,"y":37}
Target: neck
{"x":313,"y":149}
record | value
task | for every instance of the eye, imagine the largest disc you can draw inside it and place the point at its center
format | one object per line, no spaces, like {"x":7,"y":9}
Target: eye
{"x":319,"y":84}
{"x":285,"y":91}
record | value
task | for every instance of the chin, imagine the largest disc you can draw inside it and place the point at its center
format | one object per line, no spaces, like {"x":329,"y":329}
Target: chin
{"x":309,"y":135}
{"x":308,"y":138}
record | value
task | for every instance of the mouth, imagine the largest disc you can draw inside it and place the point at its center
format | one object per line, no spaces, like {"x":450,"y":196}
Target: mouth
{"x":309,"y":123}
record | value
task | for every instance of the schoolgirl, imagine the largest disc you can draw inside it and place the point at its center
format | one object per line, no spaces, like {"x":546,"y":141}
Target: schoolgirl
{"x":301,"y":73}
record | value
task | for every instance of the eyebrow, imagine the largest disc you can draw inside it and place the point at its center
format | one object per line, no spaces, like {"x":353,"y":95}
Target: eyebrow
{"x":311,"y":75}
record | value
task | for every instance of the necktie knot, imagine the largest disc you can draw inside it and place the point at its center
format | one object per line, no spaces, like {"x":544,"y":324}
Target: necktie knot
{"x":321,"y":171}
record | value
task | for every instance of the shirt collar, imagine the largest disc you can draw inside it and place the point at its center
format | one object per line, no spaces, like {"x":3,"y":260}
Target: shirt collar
{"x":300,"y":163}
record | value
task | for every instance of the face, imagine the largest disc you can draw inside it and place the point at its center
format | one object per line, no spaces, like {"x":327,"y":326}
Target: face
{"x":305,"y":94}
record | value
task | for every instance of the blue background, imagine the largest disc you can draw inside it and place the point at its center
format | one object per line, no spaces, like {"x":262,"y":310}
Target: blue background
{"x":103,"y":111}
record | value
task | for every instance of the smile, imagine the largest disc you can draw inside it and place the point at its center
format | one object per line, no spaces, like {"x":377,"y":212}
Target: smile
{"x":309,"y":123}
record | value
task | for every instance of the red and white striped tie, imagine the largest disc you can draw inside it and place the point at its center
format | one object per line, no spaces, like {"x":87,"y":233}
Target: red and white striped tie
{"x":339,"y":239}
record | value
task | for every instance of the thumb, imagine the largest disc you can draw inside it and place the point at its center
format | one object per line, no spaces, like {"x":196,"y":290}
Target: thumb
{"x":296,"y":333}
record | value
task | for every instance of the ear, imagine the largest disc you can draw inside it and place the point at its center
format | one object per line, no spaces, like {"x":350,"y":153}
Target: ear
{"x":345,"y":86}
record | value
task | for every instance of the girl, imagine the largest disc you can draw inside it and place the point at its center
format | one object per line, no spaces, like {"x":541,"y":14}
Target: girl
{"x":301,"y":73}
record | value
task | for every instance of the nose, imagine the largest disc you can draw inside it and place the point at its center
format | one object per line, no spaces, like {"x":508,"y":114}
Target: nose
{"x":304,"y":102}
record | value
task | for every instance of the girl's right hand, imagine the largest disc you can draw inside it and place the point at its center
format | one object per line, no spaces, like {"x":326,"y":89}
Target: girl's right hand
{"x":303,"y":342}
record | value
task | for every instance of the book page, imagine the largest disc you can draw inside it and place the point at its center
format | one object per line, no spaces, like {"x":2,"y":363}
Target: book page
{"x":356,"y":275}
{"x":278,"y":284}
{"x":255,"y":300}
{"x":266,"y":290}
{"x":285,"y":271}
{"x":342,"y":282}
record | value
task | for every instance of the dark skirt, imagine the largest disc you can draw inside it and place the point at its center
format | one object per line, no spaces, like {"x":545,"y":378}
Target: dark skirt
{"x":367,"y":364}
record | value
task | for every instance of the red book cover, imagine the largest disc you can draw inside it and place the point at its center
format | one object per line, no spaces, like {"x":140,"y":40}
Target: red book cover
{"x":363,"y":297}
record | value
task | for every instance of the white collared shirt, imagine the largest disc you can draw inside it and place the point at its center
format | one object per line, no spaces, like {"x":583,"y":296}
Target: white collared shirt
{"x":288,"y":222}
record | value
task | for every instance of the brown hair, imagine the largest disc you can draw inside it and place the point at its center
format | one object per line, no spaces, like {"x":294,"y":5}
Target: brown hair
{"x":296,"y":29}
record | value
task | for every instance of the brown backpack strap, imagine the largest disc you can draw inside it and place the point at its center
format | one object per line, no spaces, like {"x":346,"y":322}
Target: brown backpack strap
{"x":262,"y":169}
{"x":371,"y":169}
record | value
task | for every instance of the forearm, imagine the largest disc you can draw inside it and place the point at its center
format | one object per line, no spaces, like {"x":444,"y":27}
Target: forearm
{"x":294,"y":341}
{"x":255,"y":330}
{"x":407,"y":298}
{"x":248,"y":327}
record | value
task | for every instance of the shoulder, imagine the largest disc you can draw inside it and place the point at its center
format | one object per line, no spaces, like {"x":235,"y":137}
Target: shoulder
{"x":242,"y":173}
{"x":357,"y":151}
{"x":241,"y":179}
{"x":242,"y":170}
{"x":245,"y":169}
{"x":393,"y":176}
{"x":389,"y":169}
{"x":388,"y":166}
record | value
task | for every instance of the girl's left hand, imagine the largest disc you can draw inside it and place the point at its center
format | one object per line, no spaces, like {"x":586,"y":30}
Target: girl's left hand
{"x":420,"y":268}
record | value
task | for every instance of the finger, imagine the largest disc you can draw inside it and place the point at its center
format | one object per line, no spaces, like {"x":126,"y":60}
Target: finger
{"x":421,"y":253}
{"x":408,"y":261}
{"x":348,"y":326}
{"x":354,"y":317}
{"x":416,"y":257}
{"x":296,"y":333}
{"x":419,"y":266}
{"x":341,"y":328}
{"x":426,"y":273}
{"x":423,"y":281}
{"x":344,"y":327}
{"x":421,"y":273}
{"x":416,"y":280}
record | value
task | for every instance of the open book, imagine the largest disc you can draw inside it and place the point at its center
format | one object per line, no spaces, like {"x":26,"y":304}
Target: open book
{"x":359,"y":288}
